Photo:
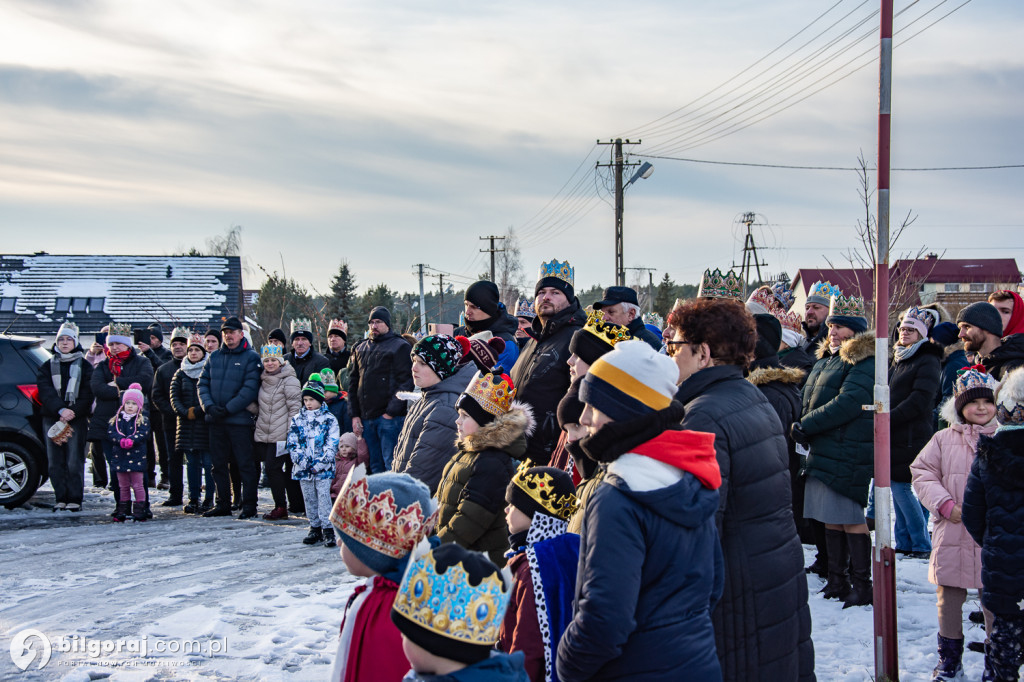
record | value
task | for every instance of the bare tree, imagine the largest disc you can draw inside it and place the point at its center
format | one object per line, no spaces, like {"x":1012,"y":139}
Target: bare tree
{"x":508,"y":270}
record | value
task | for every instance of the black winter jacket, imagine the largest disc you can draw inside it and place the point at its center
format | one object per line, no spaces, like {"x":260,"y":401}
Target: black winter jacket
{"x":52,"y":398}
{"x":798,"y":358}
{"x":914,"y":386}
{"x":1009,"y":355}
{"x":640,"y":331}
{"x":231,"y":379}
{"x":763,"y":623}
{"x":312,"y":362}
{"x":163,"y":412}
{"x":503,"y":326}
{"x":379,"y":369}
{"x":135,"y":370}
{"x":541,"y":377}
{"x":158,"y":356}
{"x":993,"y":513}
{"x":190,"y":434}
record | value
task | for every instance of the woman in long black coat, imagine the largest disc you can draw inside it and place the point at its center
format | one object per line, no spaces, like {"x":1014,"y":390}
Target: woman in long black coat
{"x":763,"y":623}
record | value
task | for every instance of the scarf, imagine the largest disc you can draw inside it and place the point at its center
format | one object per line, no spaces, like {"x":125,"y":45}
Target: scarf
{"x":115,"y":361}
{"x":192,"y":371}
{"x":74,"y":373}
{"x":901,"y":353}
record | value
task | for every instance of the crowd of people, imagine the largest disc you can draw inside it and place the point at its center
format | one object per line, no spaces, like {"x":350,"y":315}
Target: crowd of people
{"x":649,"y":489}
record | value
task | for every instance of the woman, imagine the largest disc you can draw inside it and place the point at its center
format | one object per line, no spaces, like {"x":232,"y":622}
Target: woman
{"x":192,"y":436}
{"x":280,"y":399}
{"x":763,"y":623}
{"x":914,"y":386}
{"x":840,"y":435}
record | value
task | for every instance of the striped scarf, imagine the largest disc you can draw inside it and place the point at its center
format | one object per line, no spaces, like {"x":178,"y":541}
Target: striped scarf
{"x":74,"y":373}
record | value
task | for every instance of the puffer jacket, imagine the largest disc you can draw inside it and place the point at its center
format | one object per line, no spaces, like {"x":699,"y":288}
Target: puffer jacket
{"x":280,"y":399}
{"x":840,"y":431}
{"x":163,"y":411}
{"x":471,"y":496}
{"x":541,"y":377}
{"x":913,"y":393}
{"x":378,"y":370}
{"x":427,"y":440}
{"x":136,"y":429}
{"x":940,"y":474}
{"x":503,"y":326}
{"x":53,"y":399}
{"x":1008,"y":356}
{"x":798,"y":358}
{"x":135,"y":370}
{"x":190,"y":434}
{"x":993,"y":514}
{"x":312,"y":443}
{"x":306,"y":365}
{"x":231,"y":379}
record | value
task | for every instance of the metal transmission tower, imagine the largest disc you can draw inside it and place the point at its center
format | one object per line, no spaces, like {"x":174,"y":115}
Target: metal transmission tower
{"x":750,"y":258}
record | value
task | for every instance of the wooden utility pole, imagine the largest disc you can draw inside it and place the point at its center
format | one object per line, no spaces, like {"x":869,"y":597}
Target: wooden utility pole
{"x":423,"y":305}
{"x":492,"y":251}
{"x":619,"y":164}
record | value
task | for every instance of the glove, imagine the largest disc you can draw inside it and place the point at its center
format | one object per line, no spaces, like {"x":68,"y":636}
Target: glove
{"x":216,"y":413}
{"x":797,"y":433}
{"x":127,"y":443}
{"x":191,"y":413}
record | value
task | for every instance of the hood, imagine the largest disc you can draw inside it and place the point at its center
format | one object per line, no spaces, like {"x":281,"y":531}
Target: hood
{"x":940,"y":309}
{"x":572,"y":316}
{"x":274,"y":379}
{"x":1004,"y":454}
{"x":506,"y":430}
{"x":456,"y":383}
{"x":948,"y":412}
{"x":785,"y":375}
{"x":949,"y":351}
{"x":663,"y":489}
{"x":853,"y":350}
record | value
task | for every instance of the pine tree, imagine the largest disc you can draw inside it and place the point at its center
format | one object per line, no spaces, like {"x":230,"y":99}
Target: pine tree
{"x":280,"y":301}
{"x":343,"y":302}
{"x":665,"y":296}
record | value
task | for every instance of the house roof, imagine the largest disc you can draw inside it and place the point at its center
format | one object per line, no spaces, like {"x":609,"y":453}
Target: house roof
{"x":195,"y":291}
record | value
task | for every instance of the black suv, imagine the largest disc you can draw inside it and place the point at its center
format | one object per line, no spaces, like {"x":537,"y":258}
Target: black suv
{"x":22,"y":449}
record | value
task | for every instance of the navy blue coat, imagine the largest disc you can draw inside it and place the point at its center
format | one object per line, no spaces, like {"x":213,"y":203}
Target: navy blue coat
{"x":993,"y":513}
{"x":231,"y":379}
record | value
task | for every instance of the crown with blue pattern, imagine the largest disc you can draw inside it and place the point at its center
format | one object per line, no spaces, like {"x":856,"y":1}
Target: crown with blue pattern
{"x":715,"y":284}
{"x":272,"y":352}
{"x":783,"y":294}
{"x":562,"y":271}
{"x":822,"y":293}
{"x":524,"y":308}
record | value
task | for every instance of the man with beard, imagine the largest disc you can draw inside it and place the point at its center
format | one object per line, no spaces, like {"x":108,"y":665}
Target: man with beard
{"x":541,"y":374}
{"x":161,"y":399}
{"x":981,"y":328}
{"x":621,"y":306}
{"x":484,"y":312}
{"x":303,"y":358}
{"x":815,"y":312}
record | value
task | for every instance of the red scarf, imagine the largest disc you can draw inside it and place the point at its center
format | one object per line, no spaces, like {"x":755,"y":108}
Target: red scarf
{"x":115,"y":361}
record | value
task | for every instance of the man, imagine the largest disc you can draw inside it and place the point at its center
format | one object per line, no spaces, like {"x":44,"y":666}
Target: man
{"x":524,"y":317}
{"x":338,"y":353}
{"x":211,"y":340}
{"x":815,"y":312}
{"x":276,"y":337}
{"x":303,"y":358}
{"x":1011,"y":309}
{"x":164,"y":413}
{"x":621,"y":307}
{"x":229,"y":383}
{"x":381,"y":366}
{"x":156,"y":450}
{"x":484,"y":312}
{"x":541,"y":374}
{"x":981,"y":329}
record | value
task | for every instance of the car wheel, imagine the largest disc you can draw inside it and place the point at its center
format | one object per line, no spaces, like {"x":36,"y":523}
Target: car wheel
{"x":19,"y":475}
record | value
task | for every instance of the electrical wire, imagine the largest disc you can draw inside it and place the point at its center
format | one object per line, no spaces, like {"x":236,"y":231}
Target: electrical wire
{"x":829,"y":168}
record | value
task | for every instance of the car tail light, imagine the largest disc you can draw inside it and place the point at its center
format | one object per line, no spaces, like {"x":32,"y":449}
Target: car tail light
{"x":31,"y":392}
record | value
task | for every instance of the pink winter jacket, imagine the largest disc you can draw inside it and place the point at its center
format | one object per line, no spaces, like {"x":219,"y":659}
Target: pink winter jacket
{"x":342,"y":465}
{"x":940,"y":473}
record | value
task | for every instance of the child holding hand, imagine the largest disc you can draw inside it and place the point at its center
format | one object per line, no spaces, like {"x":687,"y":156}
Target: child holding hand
{"x":129,"y":431}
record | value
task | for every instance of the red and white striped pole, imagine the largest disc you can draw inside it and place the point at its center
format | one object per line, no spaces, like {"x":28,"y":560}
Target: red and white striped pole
{"x":884,"y":557}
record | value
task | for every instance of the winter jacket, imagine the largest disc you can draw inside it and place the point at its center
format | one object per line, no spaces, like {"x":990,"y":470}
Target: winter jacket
{"x":1009,"y":355}
{"x":339,"y":363}
{"x":812,"y":342}
{"x":650,"y":567}
{"x":498,"y":668}
{"x":308,"y":364}
{"x":953,"y":359}
{"x":338,"y":406}
{"x":136,"y":428}
{"x":135,"y":370}
{"x":798,"y":358}
{"x":913,"y":393}
{"x":370,"y":646}
{"x":840,"y":431}
{"x":993,"y":513}
{"x":280,"y":399}
{"x":160,"y":397}
{"x":190,"y":434}
{"x":763,"y":623}
{"x":940,"y":474}
{"x":427,"y":440}
{"x":312,"y":443}
{"x":158,"y":356}
{"x":638,"y":330}
{"x":231,"y":379}
{"x":520,"y":631}
{"x":541,"y":377}
{"x":471,"y":495}
{"x":781,"y":388}
{"x":379,"y":369}
{"x":343,"y":465}
{"x":503,"y":326}
{"x":53,"y":398}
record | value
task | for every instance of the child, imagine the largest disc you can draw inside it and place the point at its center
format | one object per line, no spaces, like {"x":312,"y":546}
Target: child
{"x":279,"y":399}
{"x":312,"y":441}
{"x":448,"y":609}
{"x":492,"y":432}
{"x":993,"y":513}
{"x":940,"y":473}
{"x":129,"y":431}
{"x":376,"y":547}
{"x":337,"y":401}
{"x":543,"y":558}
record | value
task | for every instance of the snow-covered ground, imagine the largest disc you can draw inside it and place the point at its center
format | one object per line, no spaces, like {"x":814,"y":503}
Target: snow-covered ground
{"x":254,"y":603}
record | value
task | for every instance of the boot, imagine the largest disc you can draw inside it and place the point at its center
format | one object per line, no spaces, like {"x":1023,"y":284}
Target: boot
{"x":217,"y":511}
{"x":140,"y":512}
{"x":192,"y":507}
{"x":949,"y":667}
{"x":171,"y":502}
{"x":860,"y":570}
{"x":276,"y":514}
{"x":314,"y":536}
{"x":838,"y":585}
{"x":122,"y":510}
{"x":328,"y":534}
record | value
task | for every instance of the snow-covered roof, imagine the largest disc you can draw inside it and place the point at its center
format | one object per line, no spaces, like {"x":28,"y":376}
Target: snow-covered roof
{"x":195,"y":291}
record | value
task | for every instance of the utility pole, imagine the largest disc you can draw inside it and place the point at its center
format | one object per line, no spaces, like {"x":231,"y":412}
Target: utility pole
{"x":750,"y":258}
{"x":492,"y":251}
{"x":650,"y":286}
{"x":423,"y":305}
{"x":440,"y":286}
{"x":620,"y":166}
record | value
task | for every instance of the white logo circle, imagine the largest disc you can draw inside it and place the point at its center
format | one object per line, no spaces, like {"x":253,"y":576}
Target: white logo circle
{"x":22,"y":653}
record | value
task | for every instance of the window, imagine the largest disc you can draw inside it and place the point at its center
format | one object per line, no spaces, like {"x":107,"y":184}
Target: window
{"x":7,"y":304}
{"x":79,"y":305}
{"x":980,"y":288}
{"x":62,"y":305}
{"x":951,"y":288}
{"x":96,"y":305}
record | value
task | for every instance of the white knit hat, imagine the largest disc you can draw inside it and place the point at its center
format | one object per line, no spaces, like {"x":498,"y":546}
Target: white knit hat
{"x":69,"y":328}
{"x":630,"y":381}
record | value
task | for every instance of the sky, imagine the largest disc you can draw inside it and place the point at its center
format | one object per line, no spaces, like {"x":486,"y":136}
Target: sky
{"x":391,"y":134}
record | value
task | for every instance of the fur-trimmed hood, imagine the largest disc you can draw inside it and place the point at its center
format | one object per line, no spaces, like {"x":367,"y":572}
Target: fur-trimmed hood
{"x":948,"y":413}
{"x":952,"y":348}
{"x":860,"y":347}
{"x":505,"y":430}
{"x":785,"y":375}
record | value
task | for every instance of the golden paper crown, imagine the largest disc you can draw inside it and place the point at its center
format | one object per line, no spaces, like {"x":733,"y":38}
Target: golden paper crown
{"x":541,"y":488}
{"x":119,"y":329}
{"x":562,"y":271}
{"x":493,"y":392}
{"x":790,"y":321}
{"x":716,"y":285}
{"x":340,"y":325}
{"x":843,"y":306}
{"x":606,"y":331}
{"x":272,"y":352}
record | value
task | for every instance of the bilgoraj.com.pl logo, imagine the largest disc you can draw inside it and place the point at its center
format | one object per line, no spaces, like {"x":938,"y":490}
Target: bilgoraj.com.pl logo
{"x":27,"y":644}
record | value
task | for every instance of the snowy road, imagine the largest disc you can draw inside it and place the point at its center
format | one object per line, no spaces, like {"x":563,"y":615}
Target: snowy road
{"x":257,"y":604}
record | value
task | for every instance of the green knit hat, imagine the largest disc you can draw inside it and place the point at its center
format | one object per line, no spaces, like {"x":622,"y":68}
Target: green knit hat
{"x":314,"y":388}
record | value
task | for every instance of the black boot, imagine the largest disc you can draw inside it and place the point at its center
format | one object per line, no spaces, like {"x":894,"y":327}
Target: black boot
{"x":218,"y":511}
{"x":192,"y":507}
{"x":951,"y":652}
{"x":314,"y":537}
{"x":122,"y":510}
{"x":838,"y":585}
{"x":140,"y":512}
{"x":328,"y":534}
{"x":860,"y":570}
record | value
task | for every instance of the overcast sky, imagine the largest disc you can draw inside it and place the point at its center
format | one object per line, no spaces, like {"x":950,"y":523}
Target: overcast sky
{"x":394,"y":133}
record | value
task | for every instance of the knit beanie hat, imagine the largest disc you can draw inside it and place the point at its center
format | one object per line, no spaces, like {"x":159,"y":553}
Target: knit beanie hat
{"x":631,"y":381}
{"x":557,"y":275}
{"x":314,"y":388}
{"x":570,"y":407}
{"x":596,"y":338}
{"x":156,"y":330}
{"x":972,"y":383}
{"x":451,"y":603}
{"x":382,"y":517}
{"x":1010,"y":399}
{"x":278,"y":335}
{"x":440,"y":352}
{"x":920,"y":319}
{"x":547,"y":490}
{"x":134,"y":394}
{"x":232,"y":323}
{"x":769,"y":336}
{"x":69,"y":329}
{"x":488,"y":395}
{"x":381,"y":313}
{"x":945,"y":333}
{"x":482,"y":349}
{"x":328,"y":379}
{"x":348,"y":438}
{"x":484,"y":295}
{"x":215,"y":333}
{"x":983,"y":315}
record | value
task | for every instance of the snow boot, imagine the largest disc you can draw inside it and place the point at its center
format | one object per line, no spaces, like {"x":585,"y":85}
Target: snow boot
{"x":949,"y":667}
{"x":277,"y":513}
{"x":140,"y":512}
{"x":838,"y":585}
{"x":192,"y":507}
{"x":314,"y":536}
{"x":328,"y":534}
{"x":171,"y":502}
{"x":122,"y":510}
{"x":860,"y":570}
{"x":247,"y":513}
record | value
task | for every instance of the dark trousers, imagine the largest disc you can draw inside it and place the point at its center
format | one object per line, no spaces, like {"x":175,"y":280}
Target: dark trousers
{"x":160,"y":441}
{"x":285,"y":491}
{"x":67,"y":463}
{"x":1005,"y":651}
{"x":175,"y":463}
{"x":227,"y":440}
{"x":99,"y":464}
{"x":108,"y":452}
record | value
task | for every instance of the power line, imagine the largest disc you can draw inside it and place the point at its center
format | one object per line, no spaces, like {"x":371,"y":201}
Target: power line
{"x":829,"y":168}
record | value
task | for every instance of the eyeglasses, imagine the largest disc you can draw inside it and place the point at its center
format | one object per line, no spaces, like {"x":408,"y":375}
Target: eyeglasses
{"x":670,"y":347}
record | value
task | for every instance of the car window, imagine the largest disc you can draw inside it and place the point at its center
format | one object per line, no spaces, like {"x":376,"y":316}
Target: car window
{"x":36,"y":355}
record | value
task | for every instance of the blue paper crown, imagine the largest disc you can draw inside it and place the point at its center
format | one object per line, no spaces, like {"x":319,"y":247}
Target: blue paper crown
{"x":823,"y":290}
{"x":525,"y":309}
{"x":271,"y":352}
{"x":562,"y":271}
{"x":783,"y":294}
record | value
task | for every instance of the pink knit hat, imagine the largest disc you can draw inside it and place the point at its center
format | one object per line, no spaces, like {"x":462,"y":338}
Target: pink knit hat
{"x":134,"y":393}
{"x":348,"y":439}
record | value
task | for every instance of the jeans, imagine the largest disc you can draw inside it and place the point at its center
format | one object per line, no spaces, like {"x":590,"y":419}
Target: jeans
{"x":227,"y":440}
{"x":911,"y":519}
{"x":67,"y":463}
{"x":198,"y":463}
{"x":381,"y":436}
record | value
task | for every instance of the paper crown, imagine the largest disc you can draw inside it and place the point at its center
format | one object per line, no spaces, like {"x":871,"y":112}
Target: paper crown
{"x":328,"y":378}
{"x":181,"y":333}
{"x":562,"y":271}
{"x":272,"y":352}
{"x":301,"y":324}
{"x":606,"y":331}
{"x":376,"y":521}
{"x":655,"y":319}
{"x":524,"y":308}
{"x":493,"y":392}
{"x":788,"y":320}
{"x":340,"y":325}
{"x":846,"y":306}
{"x":764,"y":298}
{"x":119,"y":329}
{"x":783,"y":294}
{"x":974,"y":376}
{"x":541,"y":488}
{"x":716,"y":285}
{"x":68,"y":327}
{"x":824,"y":291}
{"x":447,"y":605}
{"x":925,"y":316}
{"x":195,"y":339}
{"x":679,"y":303}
